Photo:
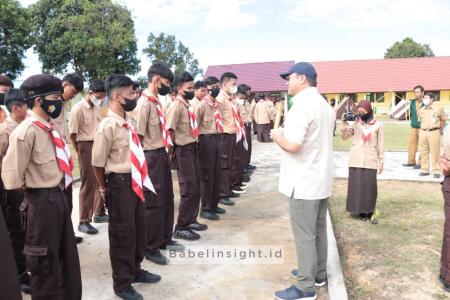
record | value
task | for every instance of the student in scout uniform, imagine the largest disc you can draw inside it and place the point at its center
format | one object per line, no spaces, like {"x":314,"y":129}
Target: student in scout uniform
{"x":121,"y":172}
{"x":155,"y":138}
{"x":432,"y":120}
{"x":183,"y":127}
{"x":414,"y":106}
{"x":366,"y":158}
{"x":12,"y":199}
{"x":39,"y":161}
{"x":264,"y":115}
{"x":210,"y":123}
{"x":84,"y":119}
{"x":199,"y":92}
{"x":72,"y":85}
{"x":5,"y":85}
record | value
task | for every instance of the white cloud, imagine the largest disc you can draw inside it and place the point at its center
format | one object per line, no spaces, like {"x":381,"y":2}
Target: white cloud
{"x":228,"y":14}
{"x":369,"y":13}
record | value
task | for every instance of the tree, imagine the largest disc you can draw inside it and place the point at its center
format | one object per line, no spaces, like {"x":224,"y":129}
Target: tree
{"x":408,"y":48}
{"x":14,"y":37}
{"x":166,"y":49}
{"x":94,"y":37}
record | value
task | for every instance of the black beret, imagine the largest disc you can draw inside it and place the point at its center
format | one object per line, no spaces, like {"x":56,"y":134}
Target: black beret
{"x":13,"y":95}
{"x":41,"y":85}
{"x":5,"y":80}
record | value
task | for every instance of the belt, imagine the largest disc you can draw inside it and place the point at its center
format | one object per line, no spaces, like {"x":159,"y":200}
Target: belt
{"x":158,"y":150}
{"x":431,"y":129}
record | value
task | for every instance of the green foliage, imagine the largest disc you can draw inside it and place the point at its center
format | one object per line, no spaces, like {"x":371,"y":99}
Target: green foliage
{"x":96,"y":38}
{"x":166,"y":49}
{"x":15,"y":37}
{"x":408,"y":48}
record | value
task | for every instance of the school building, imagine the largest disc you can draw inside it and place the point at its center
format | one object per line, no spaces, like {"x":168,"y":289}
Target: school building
{"x":384,"y":82}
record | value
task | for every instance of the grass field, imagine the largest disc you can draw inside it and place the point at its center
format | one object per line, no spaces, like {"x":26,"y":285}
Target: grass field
{"x":399,"y":257}
{"x":395,"y":137}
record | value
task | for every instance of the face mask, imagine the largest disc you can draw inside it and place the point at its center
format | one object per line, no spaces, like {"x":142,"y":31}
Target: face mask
{"x":129,"y":105}
{"x":232,"y":90}
{"x":2,"y":98}
{"x":164,"y":89}
{"x":97,"y":102}
{"x":214,"y":92}
{"x":363,"y":116}
{"x":188,"y":95}
{"x":52,"y":108}
{"x":426,"y":101}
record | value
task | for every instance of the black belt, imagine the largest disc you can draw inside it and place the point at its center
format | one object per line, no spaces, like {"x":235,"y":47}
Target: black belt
{"x":431,"y":129}
{"x":158,"y":150}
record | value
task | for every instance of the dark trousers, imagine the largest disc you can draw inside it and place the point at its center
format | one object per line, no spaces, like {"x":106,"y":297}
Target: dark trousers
{"x":248,"y":132}
{"x":188,"y":179}
{"x":263,"y":135}
{"x":227,"y":144}
{"x":68,"y":193}
{"x":13,"y":200}
{"x":90,"y":201}
{"x":50,"y":249}
{"x":9,"y":282}
{"x":126,"y":230}
{"x":239,"y":163}
{"x":445,"y":253}
{"x":159,"y":208}
{"x":210,"y":172}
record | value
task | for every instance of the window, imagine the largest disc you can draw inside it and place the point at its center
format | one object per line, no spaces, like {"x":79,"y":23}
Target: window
{"x":375,"y":97}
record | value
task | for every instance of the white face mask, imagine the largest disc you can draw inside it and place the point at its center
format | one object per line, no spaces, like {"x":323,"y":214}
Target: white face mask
{"x":97,"y":102}
{"x":426,"y":101}
{"x":232,"y":90}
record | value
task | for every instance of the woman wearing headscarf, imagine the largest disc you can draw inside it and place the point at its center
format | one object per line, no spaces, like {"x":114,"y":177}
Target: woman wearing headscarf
{"x":365,"y":159}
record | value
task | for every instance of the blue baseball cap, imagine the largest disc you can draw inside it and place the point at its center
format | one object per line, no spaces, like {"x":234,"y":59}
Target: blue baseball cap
{"x":301,"y":68}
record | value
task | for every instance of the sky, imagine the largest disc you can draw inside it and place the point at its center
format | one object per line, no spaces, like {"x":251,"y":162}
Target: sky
{"x":244,"y":31}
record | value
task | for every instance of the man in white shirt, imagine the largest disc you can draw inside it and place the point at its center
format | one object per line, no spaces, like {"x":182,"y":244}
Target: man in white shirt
{"x":306,"y":177}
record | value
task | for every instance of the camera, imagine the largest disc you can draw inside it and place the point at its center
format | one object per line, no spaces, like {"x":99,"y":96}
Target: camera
{"x":349,"y":116}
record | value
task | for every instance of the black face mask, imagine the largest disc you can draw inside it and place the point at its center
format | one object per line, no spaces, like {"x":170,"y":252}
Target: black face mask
{"x":188,"y":95}
{"x":52,"y":108}
{"x":364,"y":117}
{"x":2,"y":98}
{"x":214,"y":92}
{"x":129,"y":105}
{"x":164,"y":89}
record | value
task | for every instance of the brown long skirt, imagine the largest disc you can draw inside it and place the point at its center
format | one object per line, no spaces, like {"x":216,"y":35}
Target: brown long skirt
{"x":362,"y":191}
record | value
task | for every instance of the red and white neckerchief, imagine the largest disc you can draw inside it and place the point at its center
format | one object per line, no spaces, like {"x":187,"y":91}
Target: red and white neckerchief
{"x":167,"y":140}
{"x":63,"y":156}
{"x":367,"y":130}
{"x":192,"y":119}
{"x":217,"y":116}
{"x":139,"y":171}
{"x":240,"y":128}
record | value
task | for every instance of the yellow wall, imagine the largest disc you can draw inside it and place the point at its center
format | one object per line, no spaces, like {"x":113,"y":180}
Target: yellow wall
{"x":410,"y":95}
{"x":331,"y":96}
{"x":360,"y":96}
{"x":444,"y":96}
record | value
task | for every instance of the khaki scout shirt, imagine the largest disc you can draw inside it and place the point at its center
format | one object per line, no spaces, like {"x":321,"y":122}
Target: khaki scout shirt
{"x":5,"y":131}
{"x":61,"y":122}
{"x":227,"y":113}
{"x":111,"y":149}
{"x":84,"y":119}
{"x":263,"y":113}
{"x":194,"y":101}
{"x":367,"y":155}
{"x":31,"y":158}
{"x":148,"y":123}
{"x":245,"y":110}
{"x":430,"y":117}
{"x":177,"y":116}
{"x":205,"y":117}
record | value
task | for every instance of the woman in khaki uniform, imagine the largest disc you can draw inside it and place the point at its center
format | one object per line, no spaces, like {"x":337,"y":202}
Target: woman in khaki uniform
{"x":366,"y":157}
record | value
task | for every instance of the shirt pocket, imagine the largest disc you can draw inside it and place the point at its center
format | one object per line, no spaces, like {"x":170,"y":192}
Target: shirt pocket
{"x":42,"y":157}
{"x":208,"y":120}
{"x":154,"y":125}
{"x":88,"y":119}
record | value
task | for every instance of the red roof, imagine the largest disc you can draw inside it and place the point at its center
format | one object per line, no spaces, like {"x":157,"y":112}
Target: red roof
{"x":262,"y":77}
{"x":351,"y":76}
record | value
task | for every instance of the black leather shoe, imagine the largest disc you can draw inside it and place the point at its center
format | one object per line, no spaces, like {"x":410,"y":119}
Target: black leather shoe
{"x":245,"y":178}
{"x":101,"y":219}
{"x":219,"y":210}
{"x":78,"y":239}
{"x":129,"y":294}
{"x":147,"y":277}
{"x":25,"y":283}
{"x":87,"y":228}
{"x":172,"y":245}
{"x":156,"y":257}
{"x":209,"y":215}
{"x":226,"y":201}
{"x":437,"y":175}
{"x":408,"y":165}
{"x":417,"y":167}
{"x":233,"y":195}
{"x":186,"y":234}
{"x":198,"y":227}
{"x":424,"y":174}
{"x":251,"y":167}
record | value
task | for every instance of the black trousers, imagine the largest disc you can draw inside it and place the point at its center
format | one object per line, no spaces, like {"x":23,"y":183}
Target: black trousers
{"x":248,"y":132}
{"x":227,"y":148}
{"x":210,"y":171}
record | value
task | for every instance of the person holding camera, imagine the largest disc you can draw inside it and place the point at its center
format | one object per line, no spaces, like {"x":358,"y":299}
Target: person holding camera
{"x":365,"y":159}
